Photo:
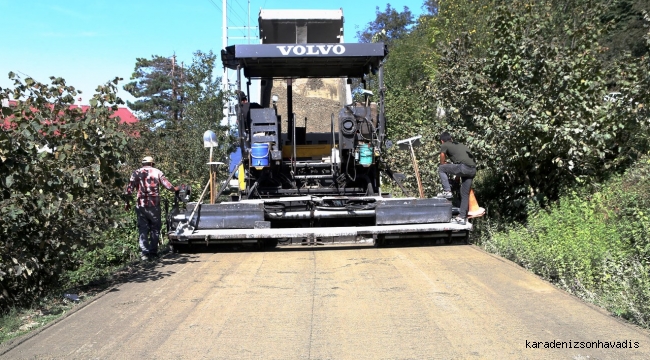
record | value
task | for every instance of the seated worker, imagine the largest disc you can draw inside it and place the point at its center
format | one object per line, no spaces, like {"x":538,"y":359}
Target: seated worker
{"x":245,"y":109}
{"x":463,"y":165}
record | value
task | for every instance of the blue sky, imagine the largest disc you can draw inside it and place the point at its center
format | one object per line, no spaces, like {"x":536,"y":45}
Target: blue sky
{"x":89,"y":42}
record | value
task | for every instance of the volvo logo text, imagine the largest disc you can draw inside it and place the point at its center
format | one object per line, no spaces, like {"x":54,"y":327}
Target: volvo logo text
{"x":311,"y":49}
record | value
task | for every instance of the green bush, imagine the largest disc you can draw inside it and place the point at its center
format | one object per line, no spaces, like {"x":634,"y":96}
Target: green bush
{"x":625,"y":290}
{"x":629,"y":197}
{"x":564,"y":243}
{"x":107,"y":251}
{"x":532,"y":107}
{"x":596,"y":246}
{"x":52,"y":202}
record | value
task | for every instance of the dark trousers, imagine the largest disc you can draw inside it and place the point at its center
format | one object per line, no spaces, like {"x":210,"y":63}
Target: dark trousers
{"x":466,"y":174}
{"x":149,"y":225}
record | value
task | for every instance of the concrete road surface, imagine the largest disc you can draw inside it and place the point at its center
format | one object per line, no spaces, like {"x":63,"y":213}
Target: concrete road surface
{"x":437,"y":302}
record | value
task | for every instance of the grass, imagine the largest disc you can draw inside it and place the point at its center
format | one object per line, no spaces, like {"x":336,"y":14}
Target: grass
{"x":19,"y":322}
{"x":111,"y":257}
{"x":594,"y":245}
{"x":85,"y":282}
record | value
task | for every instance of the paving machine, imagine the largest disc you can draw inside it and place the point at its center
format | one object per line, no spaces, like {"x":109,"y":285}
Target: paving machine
{"x":309,"y":185}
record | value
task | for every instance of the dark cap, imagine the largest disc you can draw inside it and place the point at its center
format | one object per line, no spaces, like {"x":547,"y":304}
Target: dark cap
{"x":242,"y":96}
{"x":445,"y":136}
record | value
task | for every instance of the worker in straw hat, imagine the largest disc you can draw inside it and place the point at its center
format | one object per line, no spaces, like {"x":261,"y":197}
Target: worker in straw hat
{"x":146,"y":182}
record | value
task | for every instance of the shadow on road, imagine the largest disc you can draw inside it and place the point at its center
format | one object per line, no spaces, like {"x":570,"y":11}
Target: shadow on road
{"x":161,"y":268}
{"x":188,"y":250}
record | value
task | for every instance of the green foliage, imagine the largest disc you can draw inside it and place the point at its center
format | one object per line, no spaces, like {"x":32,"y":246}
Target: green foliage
{"x":19,"y":321}
{"x":533,"y":109}
{"x":629,"y":199}
{"x":412,"y":107}
{"x":408,"y":116}
{"x":157,"y":89}
{"x":388,"y":26}
{"x":109,"y":250}
{"x":431,"y":7}
{"x":52,"y":203}
{"x":409,"y":107}
{"x":177,"y":144}
{"x":596,"y":246}
{"x":628,"y":28}
{"x":9,"y":323}
{"x":463,"y":17}
{"x":412,"y":58}
{"x":566,"y":243}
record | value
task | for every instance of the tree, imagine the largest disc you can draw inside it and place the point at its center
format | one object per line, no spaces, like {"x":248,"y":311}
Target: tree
{"x":455,"y":19}
{"x":431,"y":7}
{"x":533,"y":109}
{"x":157,"y":87}
{"x":203,"y":111}
{"x":495,"y":67}
{"x":388,"y":26}
{"x":60,"y":181}
{"x":627,"y":30}
{"x":177,"y":143}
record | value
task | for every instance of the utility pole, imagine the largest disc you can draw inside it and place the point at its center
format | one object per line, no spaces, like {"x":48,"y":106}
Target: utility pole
{"x":224,"y":44}
{"x":229,"y":118}
{"x":182,"y":96}
{"x":174,"y":95}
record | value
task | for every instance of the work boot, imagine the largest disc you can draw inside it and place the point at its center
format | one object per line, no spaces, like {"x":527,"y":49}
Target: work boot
{"x":445,"y":194}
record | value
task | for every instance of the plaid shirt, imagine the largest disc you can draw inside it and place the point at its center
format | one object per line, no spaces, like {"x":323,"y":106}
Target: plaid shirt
{"x":146,"y":181}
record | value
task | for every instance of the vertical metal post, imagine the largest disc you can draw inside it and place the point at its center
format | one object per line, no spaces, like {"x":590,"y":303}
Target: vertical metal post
{"x":224,"y":24}
{"x":382,"y":118}
{"x":293,"y":148}
{"x":224,"y":44}
{"x":241,"y":117}
{"x":211,"y":179}
{"x":290,"y":105}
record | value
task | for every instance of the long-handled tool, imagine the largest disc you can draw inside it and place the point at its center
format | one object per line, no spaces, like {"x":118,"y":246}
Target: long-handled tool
{"x":186,"y":226}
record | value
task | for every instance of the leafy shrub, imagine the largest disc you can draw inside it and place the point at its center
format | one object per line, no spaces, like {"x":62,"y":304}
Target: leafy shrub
{"x":593,"y":245}
{"x":51,"y":202}
{"x":107,"y":251}
{"x":562,"y":243}
{"x":532,"y":109}
{"x":629,"y":197}
{"x":625,"y":290}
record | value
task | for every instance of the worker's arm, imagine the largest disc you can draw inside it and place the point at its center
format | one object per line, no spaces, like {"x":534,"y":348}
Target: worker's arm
{"x":443,"y":159}
{"x":168,"y":185}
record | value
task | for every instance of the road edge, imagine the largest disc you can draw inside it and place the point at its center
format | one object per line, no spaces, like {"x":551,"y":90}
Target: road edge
{"x":603,"y":311}
{"x":13,"y":343}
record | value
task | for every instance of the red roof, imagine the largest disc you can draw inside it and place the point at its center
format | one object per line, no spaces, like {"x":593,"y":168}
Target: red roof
{"x":125,"y":115}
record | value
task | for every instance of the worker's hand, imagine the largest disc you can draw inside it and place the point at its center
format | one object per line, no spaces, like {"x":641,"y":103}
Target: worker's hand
{"x":127,"y":207}
{"x":176,"y":188}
